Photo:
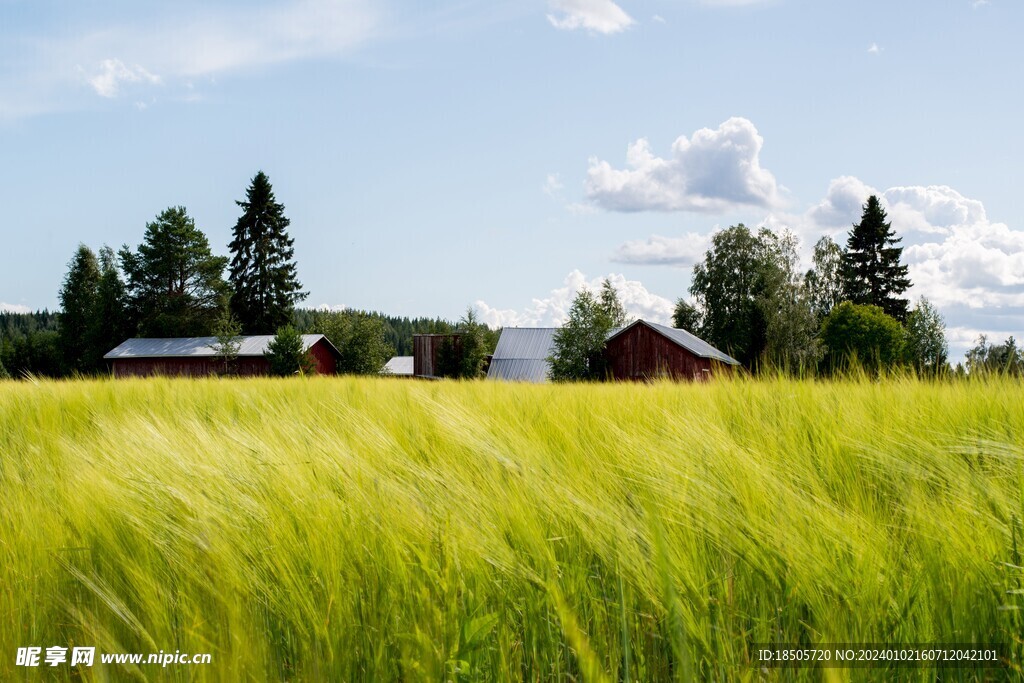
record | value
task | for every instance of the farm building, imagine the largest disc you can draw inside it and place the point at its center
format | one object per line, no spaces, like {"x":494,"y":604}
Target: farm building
{"x":644,"y":350}
{"x":195,"y":356}
{"x":641,"y":350}
{"x":522,"y":354}
{"x":399,"y":366}
{"x":426,"y":349}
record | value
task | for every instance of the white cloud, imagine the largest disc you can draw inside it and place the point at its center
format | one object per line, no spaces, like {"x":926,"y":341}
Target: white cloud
{"x":657,"y":18}
{"x":714,"y":171}
{"x":113,"y":73}
{"x":553,"y":310}
{"x":184,"y":44}
{"x":659,"y":250}
{"x":13,"y":308}
{"x":596,"y":16}
{"x":874,"y":49}
{"x":843,"y":203}
{"x":553,"y":185}
{"x":975,"y":4}
{"x":956,"y":255}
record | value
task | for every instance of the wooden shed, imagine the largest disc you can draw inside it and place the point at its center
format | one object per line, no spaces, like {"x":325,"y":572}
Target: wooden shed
{"x":426,"y":349}
{"x":197,"y":357}
{"x":644,"y":351}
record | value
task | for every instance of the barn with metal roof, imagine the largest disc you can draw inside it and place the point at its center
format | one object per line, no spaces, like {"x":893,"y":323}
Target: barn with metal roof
{"x":641,"y":350}
{"x":197,"y":356}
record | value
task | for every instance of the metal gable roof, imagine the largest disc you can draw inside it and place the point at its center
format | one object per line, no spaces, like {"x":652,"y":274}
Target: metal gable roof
{"x":533,"y":343}
{"x":200,"y":347}
{"x":399,"y":365}
{"x":522,"y":354}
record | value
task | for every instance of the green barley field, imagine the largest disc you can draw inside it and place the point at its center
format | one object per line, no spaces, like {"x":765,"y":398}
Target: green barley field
{"x":384,"y":530}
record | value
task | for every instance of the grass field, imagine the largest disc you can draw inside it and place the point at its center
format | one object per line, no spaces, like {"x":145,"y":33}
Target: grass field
{"x":375,"y":530}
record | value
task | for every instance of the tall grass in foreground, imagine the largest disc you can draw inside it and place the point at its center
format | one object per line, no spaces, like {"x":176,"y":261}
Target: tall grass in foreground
{"x":371,"y":530}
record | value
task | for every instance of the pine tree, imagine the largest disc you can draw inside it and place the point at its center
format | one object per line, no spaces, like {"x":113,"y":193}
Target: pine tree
{"x":77,"y":301}
{"x":872,"y":271}
{"x":263,"y":275}
{"x":173,"y":281}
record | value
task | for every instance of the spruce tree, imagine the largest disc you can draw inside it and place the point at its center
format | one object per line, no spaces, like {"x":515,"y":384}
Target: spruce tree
{"x":77,"y":301}
{"x":872,"y":272}
{"x":263,"y":275}
{"x":109,"y":325}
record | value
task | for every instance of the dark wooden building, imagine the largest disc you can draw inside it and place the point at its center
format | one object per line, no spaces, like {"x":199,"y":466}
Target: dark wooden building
{"x":426,"y":352}
{"x":197,"y":357}
{"x":645,"y":351}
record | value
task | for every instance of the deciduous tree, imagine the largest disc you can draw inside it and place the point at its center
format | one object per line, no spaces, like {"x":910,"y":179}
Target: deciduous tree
{"x":791,"y":328}
{"x":926,"y":348}
{"x":685,"y":316}
{"x":861,"y":335}
{"x":824,"y":282}
{"x":579,"y":344}
{"x":360,"y":340}
{"x":1003,"y":358}
{"x":730,"y":286}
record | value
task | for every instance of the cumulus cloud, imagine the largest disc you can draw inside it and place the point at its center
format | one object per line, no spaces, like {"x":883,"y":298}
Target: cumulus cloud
{"x":714,"y":171}
{"x":553,"y":309}
{"x":843,"y":203}
{"x":13,"y":308}
{"x":664,"y":251}
{"x":596,"y":16}
{"x":113,"y":73}
{"x":874,"y":49}
{"x":956,"y":254}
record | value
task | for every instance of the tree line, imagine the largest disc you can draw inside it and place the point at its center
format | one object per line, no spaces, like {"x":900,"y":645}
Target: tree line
{"x":173,"y":285}
{"x":750,"y":299}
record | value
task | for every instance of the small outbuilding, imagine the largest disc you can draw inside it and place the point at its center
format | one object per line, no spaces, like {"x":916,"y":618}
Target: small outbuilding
{"x":426,"y":352}
{"x":197,"y":356}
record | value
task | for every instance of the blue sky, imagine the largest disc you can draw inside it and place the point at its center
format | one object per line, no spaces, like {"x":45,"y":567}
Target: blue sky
{"x":502,"y":154}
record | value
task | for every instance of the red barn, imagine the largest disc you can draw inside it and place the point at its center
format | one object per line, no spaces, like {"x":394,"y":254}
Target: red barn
{"x":644,"y":350}
{"x":196,"y":356}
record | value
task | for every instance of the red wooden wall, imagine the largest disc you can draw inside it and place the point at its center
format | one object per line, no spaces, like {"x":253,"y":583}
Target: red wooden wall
{"x":641,"y":353}
{"x":246,"y":366}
